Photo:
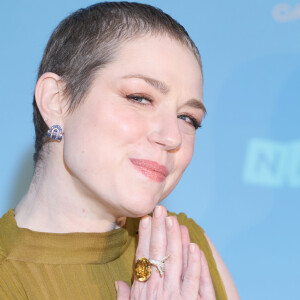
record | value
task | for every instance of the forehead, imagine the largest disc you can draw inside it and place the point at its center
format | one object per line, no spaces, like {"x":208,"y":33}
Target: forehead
{"x":159,"y":57}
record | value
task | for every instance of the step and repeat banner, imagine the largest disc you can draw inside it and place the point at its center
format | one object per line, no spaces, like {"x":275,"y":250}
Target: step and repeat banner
{"x":243,"y":185}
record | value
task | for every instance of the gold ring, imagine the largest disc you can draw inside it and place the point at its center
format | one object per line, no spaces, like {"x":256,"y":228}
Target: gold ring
{"x":143,"y":267}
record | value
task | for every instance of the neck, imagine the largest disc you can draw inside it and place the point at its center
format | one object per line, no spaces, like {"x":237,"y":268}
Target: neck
{"x":56,"y":203}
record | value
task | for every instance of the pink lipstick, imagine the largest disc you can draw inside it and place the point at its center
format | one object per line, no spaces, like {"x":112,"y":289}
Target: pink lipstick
{"x":150,"y":169}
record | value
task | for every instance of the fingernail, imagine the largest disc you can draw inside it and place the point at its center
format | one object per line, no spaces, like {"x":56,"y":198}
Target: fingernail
{"x":192,"y":247}
{"x":157,"y":212}
{"x":117,"y":287}
{"x":169,"y":222}
{"x":145,"y":221}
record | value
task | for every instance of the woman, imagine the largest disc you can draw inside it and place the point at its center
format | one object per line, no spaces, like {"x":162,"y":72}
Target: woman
{"x":117,"y":104}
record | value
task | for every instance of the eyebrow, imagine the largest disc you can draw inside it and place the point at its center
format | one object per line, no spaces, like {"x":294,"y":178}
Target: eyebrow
{"x":196,"y":104}
{"x":164,"y":89}
{"x":157,"y":84}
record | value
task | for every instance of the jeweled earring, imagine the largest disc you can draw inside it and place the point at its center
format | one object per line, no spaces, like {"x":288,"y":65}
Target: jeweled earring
{"x":55,"y":133}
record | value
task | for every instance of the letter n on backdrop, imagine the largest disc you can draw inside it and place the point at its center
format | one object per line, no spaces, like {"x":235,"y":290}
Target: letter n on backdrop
{"x":266,"y":163}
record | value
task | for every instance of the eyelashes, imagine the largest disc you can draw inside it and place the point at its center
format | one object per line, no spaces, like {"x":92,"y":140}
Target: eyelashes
{"x":145,"y":100}
{"x":139,"y":99}
{"x":190,"y":119}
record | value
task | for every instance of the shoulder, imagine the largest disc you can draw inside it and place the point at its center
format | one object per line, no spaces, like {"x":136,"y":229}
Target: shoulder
{"x":5,"y":233}
{"x":228,"y":282}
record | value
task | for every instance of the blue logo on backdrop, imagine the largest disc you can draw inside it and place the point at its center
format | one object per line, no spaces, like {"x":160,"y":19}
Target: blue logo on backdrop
{"x":284,"y":12}
{"x":273,"y":164}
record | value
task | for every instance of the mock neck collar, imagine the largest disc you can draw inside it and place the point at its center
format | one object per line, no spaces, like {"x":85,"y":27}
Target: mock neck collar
{"x":64,"y":248}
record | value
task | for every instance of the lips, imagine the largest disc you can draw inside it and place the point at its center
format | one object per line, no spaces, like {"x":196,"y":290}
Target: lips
{"x":150,"y":169}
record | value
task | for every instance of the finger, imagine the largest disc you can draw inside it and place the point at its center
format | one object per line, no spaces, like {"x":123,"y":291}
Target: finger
{"x":207,"y":290}
{"x":185,"y":238}
{"x":144,"y":237}
{"x":158,"y":233}
{"x":158,"y":238}
{"x":174,"y":249}
{"x":123,"y":290}
{"x":191,"y":280}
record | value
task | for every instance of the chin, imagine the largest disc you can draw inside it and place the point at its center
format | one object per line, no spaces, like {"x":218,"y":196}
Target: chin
{"x":139,"y":208}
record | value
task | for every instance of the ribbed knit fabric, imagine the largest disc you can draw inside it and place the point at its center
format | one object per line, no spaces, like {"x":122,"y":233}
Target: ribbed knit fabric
{"x":37,"y":266}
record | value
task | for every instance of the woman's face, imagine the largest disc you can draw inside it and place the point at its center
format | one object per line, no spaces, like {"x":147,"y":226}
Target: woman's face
{"x":130,"y":141}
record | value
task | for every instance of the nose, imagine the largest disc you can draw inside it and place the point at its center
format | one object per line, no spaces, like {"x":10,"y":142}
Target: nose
{"x":165,"y":132}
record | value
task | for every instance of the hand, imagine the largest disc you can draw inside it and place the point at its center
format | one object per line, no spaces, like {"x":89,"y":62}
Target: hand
{"x":186,"y":271}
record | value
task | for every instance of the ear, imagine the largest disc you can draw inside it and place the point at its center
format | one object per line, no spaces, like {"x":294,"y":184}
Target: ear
{"x":49,"y":98}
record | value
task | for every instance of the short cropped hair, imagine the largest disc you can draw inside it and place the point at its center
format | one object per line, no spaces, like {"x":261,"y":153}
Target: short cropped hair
{"x":88,"y":39}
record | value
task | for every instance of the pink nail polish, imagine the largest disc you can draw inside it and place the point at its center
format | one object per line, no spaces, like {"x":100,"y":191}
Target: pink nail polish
{"x":145,"y":221}
{"x":192,"y":247}
{"x":157,"y":212}
{"x":169,"y":222}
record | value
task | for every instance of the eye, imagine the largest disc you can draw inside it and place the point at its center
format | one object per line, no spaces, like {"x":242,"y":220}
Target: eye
{"x":140,"y":99}
{"x":190,"y":120}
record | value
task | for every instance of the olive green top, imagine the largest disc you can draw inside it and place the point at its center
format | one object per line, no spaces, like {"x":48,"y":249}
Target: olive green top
{"x":37,"y":265}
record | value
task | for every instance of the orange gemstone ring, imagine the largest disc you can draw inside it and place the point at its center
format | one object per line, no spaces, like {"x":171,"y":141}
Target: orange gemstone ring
{"x":143,"y":267}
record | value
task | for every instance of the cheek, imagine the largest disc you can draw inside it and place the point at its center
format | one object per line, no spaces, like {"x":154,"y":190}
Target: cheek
{"x":181,"y":161}
{"x":125,"y":127}
{"x":94,"y":137}
{"x":183,"y":158}
{"x":186,"y":154}
{"x":76,"y":143}
{"x":121,"y":128}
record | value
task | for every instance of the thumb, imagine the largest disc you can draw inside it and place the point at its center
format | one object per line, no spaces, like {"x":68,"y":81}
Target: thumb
{"x":123,"y":290}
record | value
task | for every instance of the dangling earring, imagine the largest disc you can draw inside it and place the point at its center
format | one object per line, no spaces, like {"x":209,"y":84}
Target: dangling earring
{"x":55,"y":133}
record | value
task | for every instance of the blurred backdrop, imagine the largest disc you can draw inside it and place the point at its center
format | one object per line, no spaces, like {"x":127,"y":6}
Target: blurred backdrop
{"x":243,"y":185}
